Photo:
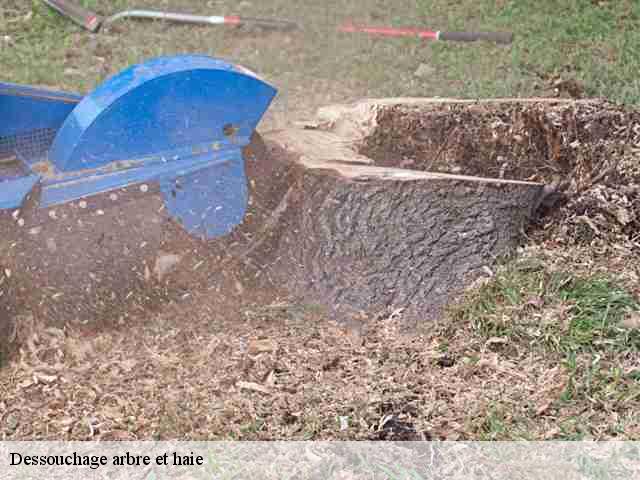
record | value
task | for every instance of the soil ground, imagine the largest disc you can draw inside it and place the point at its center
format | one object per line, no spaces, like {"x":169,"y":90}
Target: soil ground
{"x":544,"y":348}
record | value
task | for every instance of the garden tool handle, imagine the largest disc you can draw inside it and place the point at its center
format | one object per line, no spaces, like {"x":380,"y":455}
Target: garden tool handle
{"x":277,"y":24}
{"x":498,"y":37}
{"x":78,"y":14}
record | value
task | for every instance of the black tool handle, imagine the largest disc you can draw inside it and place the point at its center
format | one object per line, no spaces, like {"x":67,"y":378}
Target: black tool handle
{"x":78,"y":14}
{"x":498,"y":37}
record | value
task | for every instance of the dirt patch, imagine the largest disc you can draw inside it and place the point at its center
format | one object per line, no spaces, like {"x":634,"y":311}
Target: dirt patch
{"x":588,"y":153}
{"x":203,"y":371}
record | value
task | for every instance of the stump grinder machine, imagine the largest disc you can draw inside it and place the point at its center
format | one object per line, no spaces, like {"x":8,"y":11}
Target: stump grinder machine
{"x":179,"y":121}
{"x":100,"y":195}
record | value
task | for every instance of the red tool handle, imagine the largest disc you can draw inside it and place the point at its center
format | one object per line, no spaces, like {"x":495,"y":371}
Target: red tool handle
{"x":498,"y":37}
{"x":389,"y":31}
{"x":82,"y":17}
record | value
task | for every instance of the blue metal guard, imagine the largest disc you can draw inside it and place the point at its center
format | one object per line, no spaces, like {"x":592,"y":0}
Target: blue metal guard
{"x":181,"y":121}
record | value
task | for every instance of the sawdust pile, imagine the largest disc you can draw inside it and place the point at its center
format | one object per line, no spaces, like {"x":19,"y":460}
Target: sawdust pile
{"x":588,"y":152}
{"x":283,"y":372}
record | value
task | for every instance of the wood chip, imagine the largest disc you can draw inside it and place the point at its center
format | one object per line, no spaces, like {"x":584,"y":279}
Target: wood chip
{"x":255,"y":387}
{"x":258,"y":346}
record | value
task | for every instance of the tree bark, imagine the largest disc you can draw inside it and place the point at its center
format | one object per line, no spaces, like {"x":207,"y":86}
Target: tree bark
{"x":362,"y":238}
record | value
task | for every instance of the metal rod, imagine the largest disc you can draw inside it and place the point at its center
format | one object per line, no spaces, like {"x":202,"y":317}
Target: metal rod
{"x":92,"y":22}
{"x":174,"y":17}
{"x":203,"y":19}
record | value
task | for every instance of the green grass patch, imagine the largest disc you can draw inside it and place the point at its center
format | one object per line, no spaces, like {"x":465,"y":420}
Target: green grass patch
{"x":35,"y":38}
{"x":594,"y":43}
{"x":597,"y":308}
{"x":567,"y":319}
{"x":601,"y":381}
{"x":557,"y":311}
{"x":493,"y":426}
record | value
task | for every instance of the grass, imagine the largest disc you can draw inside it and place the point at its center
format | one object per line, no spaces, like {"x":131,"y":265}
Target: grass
{"x":598,"y":308}
{"x":573,"y":318}
{"x":591,"y":42}
{"x":555,"y":310}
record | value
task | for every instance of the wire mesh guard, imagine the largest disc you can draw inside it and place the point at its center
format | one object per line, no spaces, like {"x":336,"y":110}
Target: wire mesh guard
{"x":30,"y":146}
{"x":19,"y":151}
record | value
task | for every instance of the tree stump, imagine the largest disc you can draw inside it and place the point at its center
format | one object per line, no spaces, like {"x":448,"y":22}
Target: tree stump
{"x":400,"y":203}
{"x":366,"y":235}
